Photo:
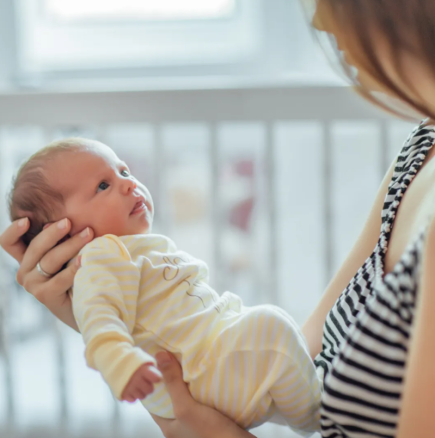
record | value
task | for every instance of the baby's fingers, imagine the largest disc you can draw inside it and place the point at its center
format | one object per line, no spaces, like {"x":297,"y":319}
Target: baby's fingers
{"x":139,"y":392}
{"x":128,"y":398}
{"x":152,"y":374}
{"x":145,"y":388}
{"x":130,"y":394}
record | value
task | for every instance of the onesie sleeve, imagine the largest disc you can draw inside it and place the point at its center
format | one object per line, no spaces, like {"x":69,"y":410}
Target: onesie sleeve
{"x":104,"y":305}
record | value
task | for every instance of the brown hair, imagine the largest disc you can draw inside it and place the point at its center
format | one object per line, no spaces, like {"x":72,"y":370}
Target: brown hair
{"x":32,"y":195}
{"x":405,"y":26}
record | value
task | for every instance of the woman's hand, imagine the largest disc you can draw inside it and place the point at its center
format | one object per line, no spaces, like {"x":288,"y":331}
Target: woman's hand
{"x":52,"y":292}
{"x":192,"y":419}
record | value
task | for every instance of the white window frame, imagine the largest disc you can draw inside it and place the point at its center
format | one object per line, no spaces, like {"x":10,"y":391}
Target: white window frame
{"x":270,"y":45}
{"x":111,"y":45}
{"x":131,"y":10}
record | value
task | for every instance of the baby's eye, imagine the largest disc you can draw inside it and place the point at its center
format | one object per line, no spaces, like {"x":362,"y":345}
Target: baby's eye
{"x":125,"y":173}
{"x":103,"y":186}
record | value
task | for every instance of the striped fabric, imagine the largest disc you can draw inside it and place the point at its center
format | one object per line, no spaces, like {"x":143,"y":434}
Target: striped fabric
{"x":367,"y":332}
{"x":136,"y":295}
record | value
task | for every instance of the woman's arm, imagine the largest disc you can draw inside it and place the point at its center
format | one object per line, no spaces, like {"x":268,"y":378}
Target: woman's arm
{"x":313,"y":327}
{"x":193,"y":420}
{"x":52,"y":292}
{"x":417,"y":417}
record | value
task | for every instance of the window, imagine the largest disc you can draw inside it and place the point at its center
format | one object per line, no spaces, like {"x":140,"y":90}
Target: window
{"x":100,"y":10}
{"x":79,"y":35}
{"x":126,"y":44}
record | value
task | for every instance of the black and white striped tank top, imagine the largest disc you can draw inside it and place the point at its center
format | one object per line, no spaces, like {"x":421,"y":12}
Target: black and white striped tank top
{"x":367,"y":333}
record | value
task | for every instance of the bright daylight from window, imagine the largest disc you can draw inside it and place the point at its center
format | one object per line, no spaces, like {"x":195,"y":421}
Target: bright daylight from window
{"x":139,"y":9}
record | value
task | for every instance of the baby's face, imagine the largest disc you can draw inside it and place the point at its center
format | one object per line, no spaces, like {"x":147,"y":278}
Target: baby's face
{"x":99,"y":192}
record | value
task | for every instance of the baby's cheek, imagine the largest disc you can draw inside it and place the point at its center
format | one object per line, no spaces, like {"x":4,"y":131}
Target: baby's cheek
{"x":111,"y":223}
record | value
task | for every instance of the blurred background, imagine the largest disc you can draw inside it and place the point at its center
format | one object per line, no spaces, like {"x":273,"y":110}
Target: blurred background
{"x":259,"y":158}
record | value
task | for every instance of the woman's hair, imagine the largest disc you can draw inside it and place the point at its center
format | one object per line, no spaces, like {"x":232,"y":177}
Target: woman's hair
{"x":404,"y":26}
{"x":32,"y":195}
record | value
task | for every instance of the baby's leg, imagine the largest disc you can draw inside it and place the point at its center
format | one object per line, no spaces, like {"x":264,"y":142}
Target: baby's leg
{"x":296,"y":391}
{"x":260,"y":363}
{"x":238,"y":386}
{"x":249,"y":386}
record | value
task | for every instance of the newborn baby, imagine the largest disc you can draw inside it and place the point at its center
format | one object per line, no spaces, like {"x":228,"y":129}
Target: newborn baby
{"x":136,"y":294}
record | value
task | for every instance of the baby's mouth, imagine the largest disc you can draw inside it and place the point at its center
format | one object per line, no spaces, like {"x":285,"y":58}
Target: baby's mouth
{"x":138,"y":207}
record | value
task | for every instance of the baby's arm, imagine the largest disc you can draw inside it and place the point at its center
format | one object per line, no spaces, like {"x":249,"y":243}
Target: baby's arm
{"x":104,"y":304}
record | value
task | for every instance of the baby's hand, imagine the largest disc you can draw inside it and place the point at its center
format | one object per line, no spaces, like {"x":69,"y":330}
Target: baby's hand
{"x":141,"y":383}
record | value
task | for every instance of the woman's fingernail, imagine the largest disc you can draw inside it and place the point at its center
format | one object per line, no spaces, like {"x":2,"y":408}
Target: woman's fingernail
{"x":163,"y":359}
{"x":79,"y":261}
{"x":85,"y":233}
{"x":23,"y":222}
{"x":62,"y":224}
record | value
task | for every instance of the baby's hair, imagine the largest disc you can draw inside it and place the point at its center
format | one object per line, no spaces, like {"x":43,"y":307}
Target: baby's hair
{"x":31,"y":195}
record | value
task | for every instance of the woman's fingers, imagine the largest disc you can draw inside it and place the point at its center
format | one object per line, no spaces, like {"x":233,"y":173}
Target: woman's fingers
{"x":10,"y":239}
{"x":51,"y":258}
{"x":54,"y":259}
{"x":41,"y":244}
{"x":51,"y":290}
{"x":63,"y":281}
{"x":177,"y":388}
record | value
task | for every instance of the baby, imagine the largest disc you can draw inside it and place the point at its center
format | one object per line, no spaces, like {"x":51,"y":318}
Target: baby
{"x":136,"y":294}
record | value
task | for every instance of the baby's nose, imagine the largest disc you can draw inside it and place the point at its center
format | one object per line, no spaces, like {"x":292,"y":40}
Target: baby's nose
{"x":129,"y":185}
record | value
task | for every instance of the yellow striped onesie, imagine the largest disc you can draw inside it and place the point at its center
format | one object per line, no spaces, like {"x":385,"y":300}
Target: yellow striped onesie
{"x":136,"y":295}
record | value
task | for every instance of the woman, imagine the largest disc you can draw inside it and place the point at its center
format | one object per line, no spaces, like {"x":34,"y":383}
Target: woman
{"x":371,"y":333}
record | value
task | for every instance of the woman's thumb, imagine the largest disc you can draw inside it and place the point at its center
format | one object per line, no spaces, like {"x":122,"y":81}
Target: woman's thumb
{"x":173,"y":378}
{"x":169,"y":367}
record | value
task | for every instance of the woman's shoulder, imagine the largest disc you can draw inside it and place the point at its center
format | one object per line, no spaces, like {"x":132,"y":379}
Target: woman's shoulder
{"x":414,"y":151}
{"x":426,"y":128}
